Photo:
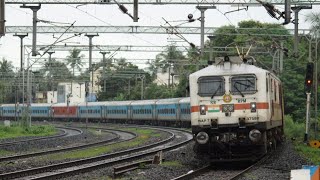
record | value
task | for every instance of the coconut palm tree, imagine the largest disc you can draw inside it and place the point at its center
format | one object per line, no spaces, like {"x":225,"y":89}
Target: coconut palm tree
{"x":75,"y":59}
{"x":6,"y":66}
{"x":314,"y":19}
{"x":165,"y":59}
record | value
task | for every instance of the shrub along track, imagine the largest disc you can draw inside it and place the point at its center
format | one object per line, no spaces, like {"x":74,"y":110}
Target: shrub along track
{"x":78,"y":166}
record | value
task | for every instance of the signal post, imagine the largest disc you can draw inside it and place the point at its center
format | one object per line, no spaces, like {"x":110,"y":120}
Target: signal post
{"x":308,"y":85}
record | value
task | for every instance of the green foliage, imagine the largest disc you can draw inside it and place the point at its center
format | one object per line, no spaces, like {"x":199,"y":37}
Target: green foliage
{"x":4,"y":152}
{"x":17,"y":131}
{"x":294,"y":129}
{"x":74,"y":59}
{"x":51,"y":73}
{"x":171,"y":164}
{"x":155,"y":91}
{"x":122,"y":81}
{"x":142,"y":165}
{"x":313,"y":154}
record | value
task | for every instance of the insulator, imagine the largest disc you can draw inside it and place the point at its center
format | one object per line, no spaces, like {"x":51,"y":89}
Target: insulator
{"x":123,"y":9}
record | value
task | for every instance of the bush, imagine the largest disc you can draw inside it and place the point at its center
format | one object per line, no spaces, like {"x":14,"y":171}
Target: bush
{"x":293,"y":129}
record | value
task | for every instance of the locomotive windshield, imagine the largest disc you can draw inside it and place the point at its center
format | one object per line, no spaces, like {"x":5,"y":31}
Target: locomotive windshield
{"x":211,"y":86}
{"x":243,"y":84}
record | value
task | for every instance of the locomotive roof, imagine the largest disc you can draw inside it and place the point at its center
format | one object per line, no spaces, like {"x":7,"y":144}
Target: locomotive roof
{"x":233,"y":70}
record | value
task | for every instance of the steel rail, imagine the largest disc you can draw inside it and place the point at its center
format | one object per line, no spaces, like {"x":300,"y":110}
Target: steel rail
{"x":41,"y":153}
{"x":193,"y":173}
{"x":32,"y":171}
{"x":41,"y":138}
{"x":263,"y":159}
{"x":66,"y":173}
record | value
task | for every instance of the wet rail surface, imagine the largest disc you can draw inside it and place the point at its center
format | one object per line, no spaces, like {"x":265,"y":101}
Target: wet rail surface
{"x":119,"y":136}
{"x":89,"y":164}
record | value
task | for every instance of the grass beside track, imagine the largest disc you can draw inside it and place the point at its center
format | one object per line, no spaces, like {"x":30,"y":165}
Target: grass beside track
{"x":171,"y":164}
{"x":296,"y":130}
{"x":17,"y":131}
{"x":143,"y":136}
{"x":4,"y":152}
{"x":313,"y":154}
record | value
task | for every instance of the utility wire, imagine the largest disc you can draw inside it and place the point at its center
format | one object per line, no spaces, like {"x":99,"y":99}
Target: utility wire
{"x":109,"y":24}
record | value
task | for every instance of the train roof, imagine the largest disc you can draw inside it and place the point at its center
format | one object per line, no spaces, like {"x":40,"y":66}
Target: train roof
{"x":169,"y":101}
{"x":41,"y":105}
{"x":223,"y":69}
{"x":117,"y":103}
{"x":144,"y":102}
{"x":102,"y":103}
{"x":32,"y":105}
{"x":64,"y":104}
{"x":8,"y":105}
{"x":185,"y":100}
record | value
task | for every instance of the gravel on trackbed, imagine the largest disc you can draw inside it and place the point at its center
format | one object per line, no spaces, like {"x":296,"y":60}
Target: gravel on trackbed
{"x":52,"y":143}
{"x":277,"y":167}
{"x":86,"y":137}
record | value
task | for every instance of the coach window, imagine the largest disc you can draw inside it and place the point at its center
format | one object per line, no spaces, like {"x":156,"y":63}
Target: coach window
{"x":243,"y":84}
{"x":211,"y":86}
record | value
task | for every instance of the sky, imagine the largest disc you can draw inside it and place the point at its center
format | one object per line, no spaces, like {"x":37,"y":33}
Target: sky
{"x":110,"y":15}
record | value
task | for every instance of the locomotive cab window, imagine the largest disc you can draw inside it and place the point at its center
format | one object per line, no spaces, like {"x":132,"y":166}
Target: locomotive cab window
{"x":243,"y":84}
{"x":211,"y":86}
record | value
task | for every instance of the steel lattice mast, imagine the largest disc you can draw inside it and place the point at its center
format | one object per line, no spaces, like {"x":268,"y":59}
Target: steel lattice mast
{"x":164,"y":2}
{"x":151,"y":30}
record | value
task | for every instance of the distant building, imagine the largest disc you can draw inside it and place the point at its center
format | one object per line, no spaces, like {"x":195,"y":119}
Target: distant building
{"x":72,"y":92}
{"x":163,"y":77}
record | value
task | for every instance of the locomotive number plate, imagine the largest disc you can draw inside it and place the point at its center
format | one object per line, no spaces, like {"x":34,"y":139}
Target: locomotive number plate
{"x":252,"y":118}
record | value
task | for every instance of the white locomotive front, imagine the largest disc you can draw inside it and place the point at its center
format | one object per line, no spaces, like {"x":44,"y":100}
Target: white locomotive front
{"x":236,"y":110}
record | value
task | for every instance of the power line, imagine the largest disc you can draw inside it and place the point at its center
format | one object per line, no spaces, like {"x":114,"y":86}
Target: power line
{"x":153,"y":30}
{"x":161,"y":2}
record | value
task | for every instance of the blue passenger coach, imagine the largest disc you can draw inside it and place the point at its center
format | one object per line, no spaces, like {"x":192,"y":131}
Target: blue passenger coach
{"x":117,"y":110}
{"x":92,"y":110}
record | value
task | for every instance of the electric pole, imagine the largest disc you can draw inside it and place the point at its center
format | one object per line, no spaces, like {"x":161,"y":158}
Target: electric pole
{"x":34,"y":26}
{"x":2,"y":18}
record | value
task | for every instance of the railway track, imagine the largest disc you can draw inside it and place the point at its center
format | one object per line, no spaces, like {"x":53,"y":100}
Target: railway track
{"x":241,"y":173}
{"x":117,"y":134}
{"x":215,"y":172}
{"x":88,"y":164}
{"x":65,"y":133}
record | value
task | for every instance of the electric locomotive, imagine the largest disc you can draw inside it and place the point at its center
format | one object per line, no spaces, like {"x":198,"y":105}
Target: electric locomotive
{"x":236,"y":110}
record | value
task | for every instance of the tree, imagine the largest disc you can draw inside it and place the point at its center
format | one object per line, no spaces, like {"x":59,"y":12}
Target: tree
{"x":54,"y":73}
{"x":8,"y":82}
{"x":171,"y":56}
{"x":314,"y":19}
{"x":117,"y":81}
{"x":75,"y":59}
{"x":6,"y":66}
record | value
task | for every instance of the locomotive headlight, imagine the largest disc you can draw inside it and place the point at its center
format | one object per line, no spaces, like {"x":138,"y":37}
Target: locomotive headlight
{"x":202,"y":137}
{"x":255,"y":135}
{"x":253,"y":106}
{"x":202,"y":109}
